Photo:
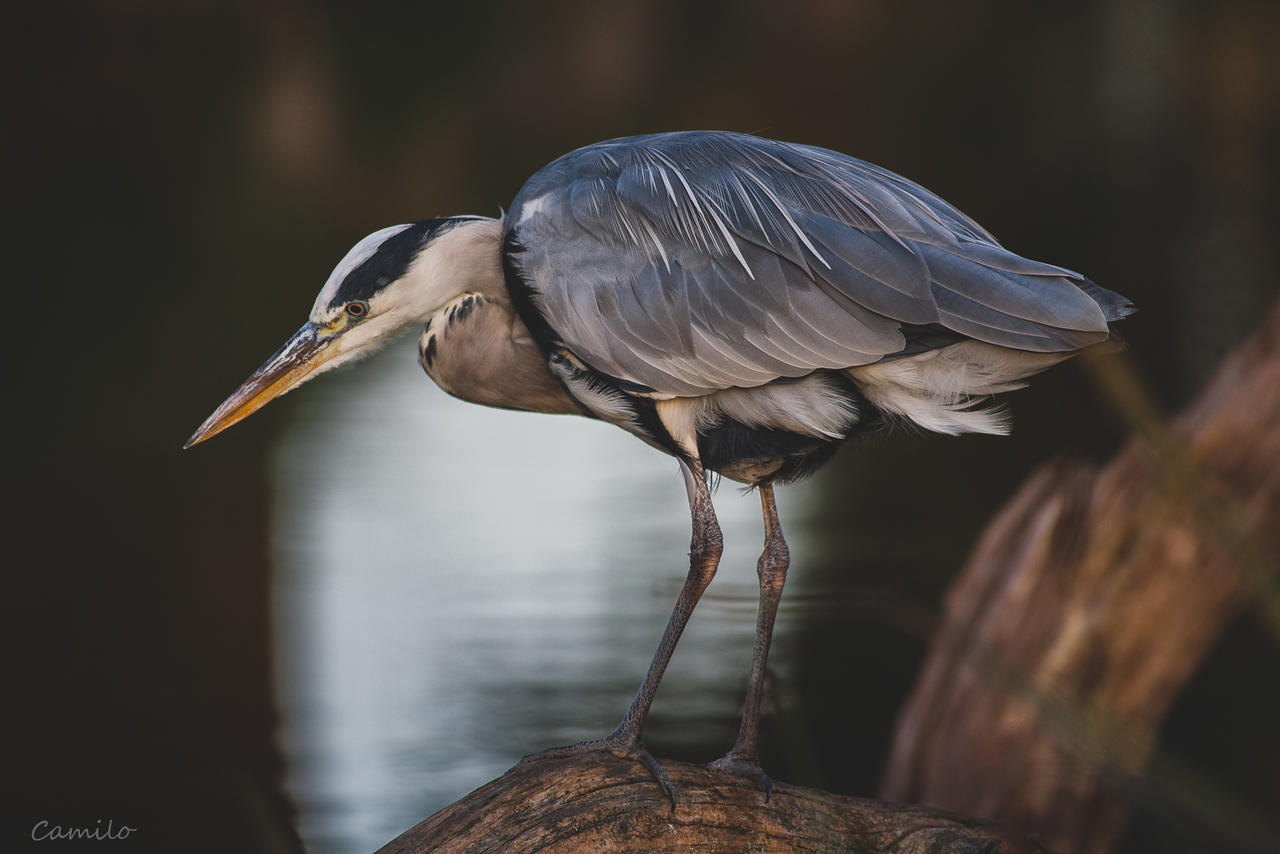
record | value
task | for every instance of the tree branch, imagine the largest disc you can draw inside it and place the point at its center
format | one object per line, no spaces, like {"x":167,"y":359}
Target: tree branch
{"x":597,"y":802}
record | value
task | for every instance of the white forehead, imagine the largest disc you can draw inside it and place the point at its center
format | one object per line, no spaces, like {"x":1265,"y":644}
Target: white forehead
{"x":359,"y":253}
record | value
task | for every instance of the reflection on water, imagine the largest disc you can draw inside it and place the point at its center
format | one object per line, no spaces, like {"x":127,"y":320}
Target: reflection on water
{"x":460,"y":586}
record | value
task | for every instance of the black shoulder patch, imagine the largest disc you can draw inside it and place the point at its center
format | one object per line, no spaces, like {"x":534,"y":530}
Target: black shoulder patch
{"x":388,"y":262}
{"x":522,"y":295}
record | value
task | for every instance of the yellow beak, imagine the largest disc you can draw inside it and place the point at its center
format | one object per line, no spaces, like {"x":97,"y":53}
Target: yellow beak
{"x":301,"y":355}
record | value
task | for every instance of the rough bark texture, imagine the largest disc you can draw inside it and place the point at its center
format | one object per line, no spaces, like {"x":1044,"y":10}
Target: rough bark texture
{"x":1086,"y":606}
{"x":597,"y":802}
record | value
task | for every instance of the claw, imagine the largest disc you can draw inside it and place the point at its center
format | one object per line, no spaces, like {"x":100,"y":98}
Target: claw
{"x":660,"y":774}
{"x":621,"y":746}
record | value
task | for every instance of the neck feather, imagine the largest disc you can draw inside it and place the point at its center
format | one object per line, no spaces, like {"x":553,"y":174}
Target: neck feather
{"x":465,"y":258}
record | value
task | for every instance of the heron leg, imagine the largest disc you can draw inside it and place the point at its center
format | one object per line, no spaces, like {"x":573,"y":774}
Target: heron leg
{"x":704,"y":557}
{"x":744,"y":758}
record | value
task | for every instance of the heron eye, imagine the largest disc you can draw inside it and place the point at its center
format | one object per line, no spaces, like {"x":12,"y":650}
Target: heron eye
{"x":358,"y":309}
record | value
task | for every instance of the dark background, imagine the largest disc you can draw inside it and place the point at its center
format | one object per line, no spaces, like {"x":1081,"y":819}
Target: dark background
{"x":179,"y":178}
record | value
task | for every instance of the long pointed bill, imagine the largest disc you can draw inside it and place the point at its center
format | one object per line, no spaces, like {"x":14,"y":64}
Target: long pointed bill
{"x":300,"y":356}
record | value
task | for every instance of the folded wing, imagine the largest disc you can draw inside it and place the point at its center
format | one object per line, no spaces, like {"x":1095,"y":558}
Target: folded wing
{"x":692,"y":262}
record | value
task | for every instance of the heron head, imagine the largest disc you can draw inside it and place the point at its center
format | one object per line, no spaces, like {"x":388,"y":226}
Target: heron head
{"x":389,"y":281}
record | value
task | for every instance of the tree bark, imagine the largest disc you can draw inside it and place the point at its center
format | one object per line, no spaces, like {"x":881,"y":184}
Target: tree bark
{"x":1088,"y":604}
{"x":597,"y":802}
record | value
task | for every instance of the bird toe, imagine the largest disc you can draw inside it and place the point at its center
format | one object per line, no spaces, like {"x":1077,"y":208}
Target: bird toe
{"x":623,"y":747}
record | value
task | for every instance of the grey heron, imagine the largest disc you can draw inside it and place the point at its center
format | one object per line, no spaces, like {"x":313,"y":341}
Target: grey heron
{"x":742,"y":304}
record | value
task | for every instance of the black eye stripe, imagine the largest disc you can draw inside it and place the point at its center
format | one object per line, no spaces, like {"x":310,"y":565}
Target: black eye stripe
{"x":388,"y":262}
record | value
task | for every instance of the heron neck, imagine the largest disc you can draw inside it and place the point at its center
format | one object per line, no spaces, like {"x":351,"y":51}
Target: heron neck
{"x":464,"y":259}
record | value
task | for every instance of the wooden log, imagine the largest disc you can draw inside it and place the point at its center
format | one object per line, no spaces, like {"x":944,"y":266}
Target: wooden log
{"x":1088,"y":604}
{"x":597,"y":802}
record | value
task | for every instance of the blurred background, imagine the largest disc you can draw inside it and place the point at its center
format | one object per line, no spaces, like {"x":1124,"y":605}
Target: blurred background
{"x":370,"y":598}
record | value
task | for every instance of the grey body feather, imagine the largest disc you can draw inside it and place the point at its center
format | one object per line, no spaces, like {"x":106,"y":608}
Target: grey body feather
{"x":689,"y":263}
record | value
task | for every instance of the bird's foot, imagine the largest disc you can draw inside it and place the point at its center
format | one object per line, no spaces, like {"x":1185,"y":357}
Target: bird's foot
{"x":744,"y":766}
{"x":621,"y":745}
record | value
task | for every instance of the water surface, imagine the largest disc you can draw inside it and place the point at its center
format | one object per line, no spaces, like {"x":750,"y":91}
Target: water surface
{"x":460,"y":586}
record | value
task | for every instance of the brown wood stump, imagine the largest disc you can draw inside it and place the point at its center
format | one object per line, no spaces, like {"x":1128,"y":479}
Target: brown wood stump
{"x":597,"y":802}
{"x":1088,"y":604}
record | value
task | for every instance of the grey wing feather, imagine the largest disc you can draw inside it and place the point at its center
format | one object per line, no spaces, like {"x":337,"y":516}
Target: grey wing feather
{"x":692,"y":262}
